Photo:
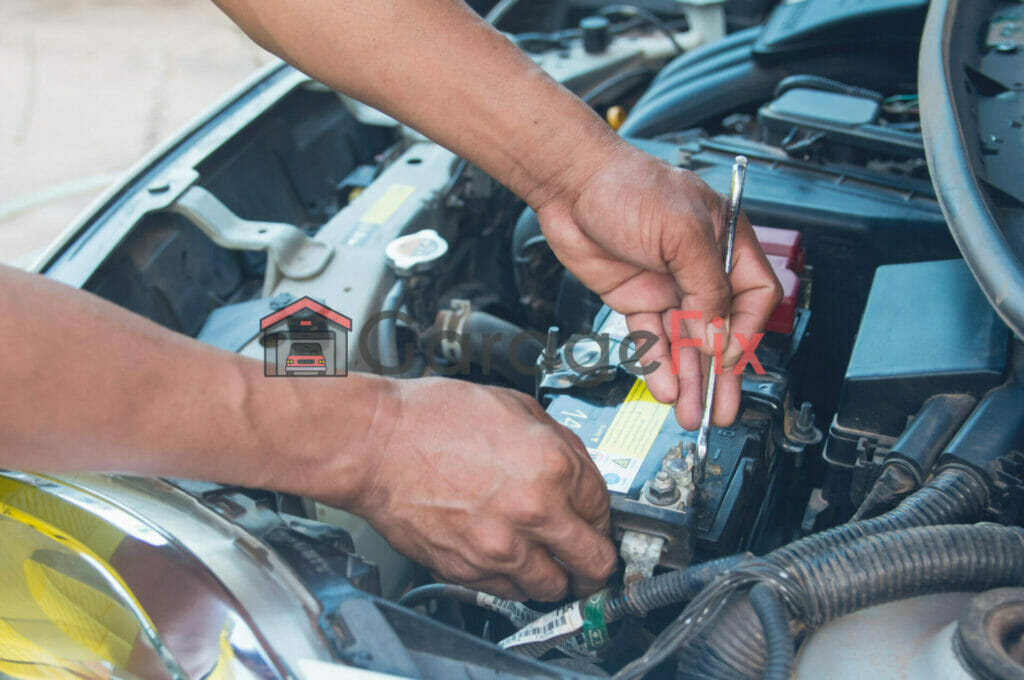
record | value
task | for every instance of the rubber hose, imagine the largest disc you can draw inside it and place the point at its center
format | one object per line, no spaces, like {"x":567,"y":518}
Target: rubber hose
{"x":691,"y":99}
{"x":744,"y":38}
{"x":954,"y":496}
{"x":387,"y":329}
{"x":502,"y":346}
{"x":910,"y":562}
{"x":911,"y":459}
{"x":526,"y":234}
{"x":674,"y":587}
{"x":895,"y":482}
{"x":774,"y":618}
{"x":863,"y":573}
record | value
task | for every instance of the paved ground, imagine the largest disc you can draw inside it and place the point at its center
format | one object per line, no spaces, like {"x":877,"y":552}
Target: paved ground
{"x":88,"y":86}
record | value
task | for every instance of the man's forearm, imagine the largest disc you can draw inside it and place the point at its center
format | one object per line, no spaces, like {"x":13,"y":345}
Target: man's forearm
{"x":136,"y":398}
{"x":498,"y":109}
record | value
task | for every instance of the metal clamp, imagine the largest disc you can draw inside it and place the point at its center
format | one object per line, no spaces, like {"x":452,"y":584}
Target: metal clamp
{"x":453,"y":322}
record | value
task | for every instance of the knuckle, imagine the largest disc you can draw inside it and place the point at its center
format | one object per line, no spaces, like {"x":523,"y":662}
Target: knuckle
{"x":531,"y":509}
{"x":459,"y":571}
{"x":560,"y":467}
{"x":495,"y":546}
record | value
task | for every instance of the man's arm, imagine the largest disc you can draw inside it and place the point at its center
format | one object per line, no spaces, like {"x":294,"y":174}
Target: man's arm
{"x":89,"y":386}
{"x":438,"y":67}
{"x":92,"y":387}
{"x":638,"y":232}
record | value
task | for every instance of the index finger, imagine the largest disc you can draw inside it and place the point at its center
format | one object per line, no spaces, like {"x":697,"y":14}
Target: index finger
{"x":589,"y":557}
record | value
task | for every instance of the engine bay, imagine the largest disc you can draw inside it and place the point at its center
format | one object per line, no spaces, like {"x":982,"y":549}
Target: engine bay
{"x":876,"y":468}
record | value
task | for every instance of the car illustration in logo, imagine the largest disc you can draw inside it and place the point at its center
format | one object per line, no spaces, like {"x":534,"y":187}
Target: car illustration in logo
{"x":306,"y":358}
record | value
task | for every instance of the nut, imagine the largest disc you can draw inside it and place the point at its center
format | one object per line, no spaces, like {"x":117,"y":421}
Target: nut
{"x":662,"y":490}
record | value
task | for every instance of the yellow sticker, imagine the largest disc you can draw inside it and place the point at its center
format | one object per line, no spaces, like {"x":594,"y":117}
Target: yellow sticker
{"x":388,"y":203}
{"x":636,"y":425}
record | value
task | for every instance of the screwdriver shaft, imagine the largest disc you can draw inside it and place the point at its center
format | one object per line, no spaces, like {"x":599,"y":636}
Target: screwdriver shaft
{"x":739,"y":175}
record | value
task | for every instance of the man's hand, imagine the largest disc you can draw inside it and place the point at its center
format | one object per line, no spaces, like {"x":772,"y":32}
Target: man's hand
{"x":485,"y":488}
{"x":645,"y":236}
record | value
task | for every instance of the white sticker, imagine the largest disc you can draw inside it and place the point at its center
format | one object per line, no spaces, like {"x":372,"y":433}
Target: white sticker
{"x":520,"y":615}
{"x":618,"y":471}
{"x":516,"y":612}
{"x":562,"y":621}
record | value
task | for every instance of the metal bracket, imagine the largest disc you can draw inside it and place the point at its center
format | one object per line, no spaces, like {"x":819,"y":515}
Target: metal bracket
{"x":289,"y":251}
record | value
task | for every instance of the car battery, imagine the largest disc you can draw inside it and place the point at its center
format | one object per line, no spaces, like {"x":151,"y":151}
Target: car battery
{"x":591,"y":388}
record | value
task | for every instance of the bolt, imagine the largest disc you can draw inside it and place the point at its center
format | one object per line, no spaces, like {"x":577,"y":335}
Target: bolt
{"x":662,"y":483}
{"x":662,"y":490}
{"x":805,"y":419}
{"x":550,"y":359}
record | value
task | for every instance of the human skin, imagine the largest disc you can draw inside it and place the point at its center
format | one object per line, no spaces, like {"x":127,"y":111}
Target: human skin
{"x":516,"y":507}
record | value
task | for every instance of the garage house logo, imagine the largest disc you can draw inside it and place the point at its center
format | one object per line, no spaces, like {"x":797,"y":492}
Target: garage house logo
{"x":305,"y":339}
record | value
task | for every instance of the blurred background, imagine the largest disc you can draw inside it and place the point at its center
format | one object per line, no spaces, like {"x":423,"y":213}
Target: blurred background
{"x":89,"y":87}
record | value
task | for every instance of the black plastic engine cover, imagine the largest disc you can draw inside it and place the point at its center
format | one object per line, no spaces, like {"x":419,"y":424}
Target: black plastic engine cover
{"x":815,"y":24}
{"x":926,"y":330}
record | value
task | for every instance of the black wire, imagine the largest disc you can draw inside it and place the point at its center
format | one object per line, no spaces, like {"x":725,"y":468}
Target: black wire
{"x":695,"y":619}
{"x":437,"y":591}
{"x":649,"y":17}
{"x":778,"y":640}
{"x":602,"y":88}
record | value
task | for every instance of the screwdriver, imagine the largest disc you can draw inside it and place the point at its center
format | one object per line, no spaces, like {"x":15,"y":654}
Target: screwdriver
{"x":739,"y":176}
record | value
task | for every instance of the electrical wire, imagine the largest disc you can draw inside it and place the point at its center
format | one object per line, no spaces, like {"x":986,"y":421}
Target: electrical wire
{"x":517,"y":613}
{"x":778,"y":640}
{"x":649,"y":17}
{"x":595,"y":93}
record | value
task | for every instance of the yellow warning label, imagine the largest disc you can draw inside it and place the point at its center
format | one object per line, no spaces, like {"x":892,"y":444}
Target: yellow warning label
{"x":636,"y":425}
{"x":385,"y":206}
